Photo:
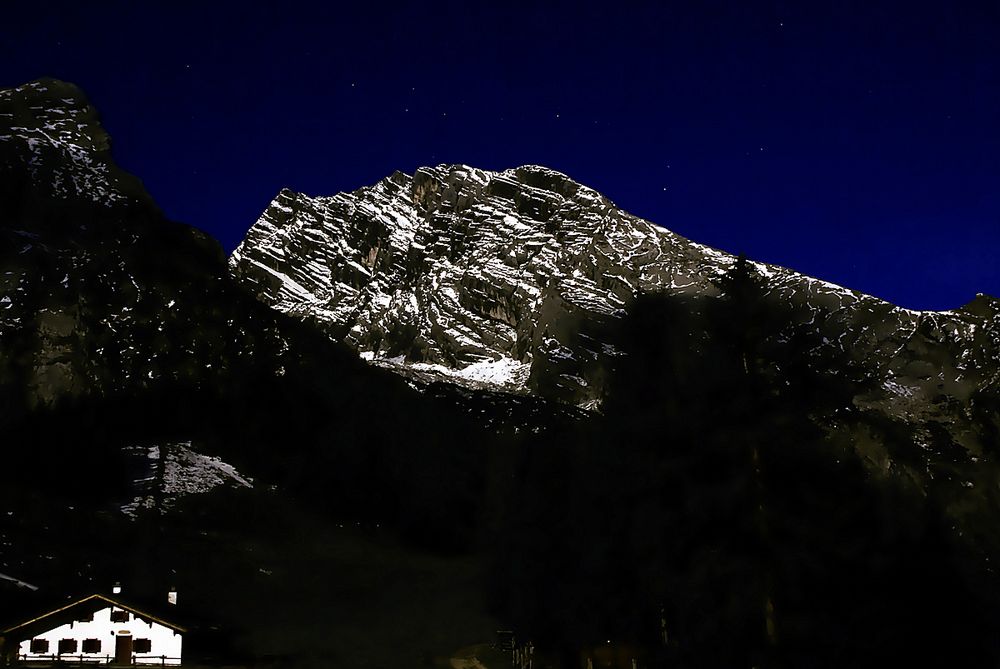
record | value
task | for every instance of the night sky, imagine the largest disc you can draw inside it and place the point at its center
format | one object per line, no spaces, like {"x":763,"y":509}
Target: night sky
{"x":855,"y":142}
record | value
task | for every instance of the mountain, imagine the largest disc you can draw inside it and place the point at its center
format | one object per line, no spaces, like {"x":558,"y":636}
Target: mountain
{"x":505,"y":279}
{"x":400,"y":419}
{"x":527,"y":283}
{"x":518,"y":280}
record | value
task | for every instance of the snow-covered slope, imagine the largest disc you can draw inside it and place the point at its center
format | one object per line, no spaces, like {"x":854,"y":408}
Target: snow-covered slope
{"x":509,"y":279}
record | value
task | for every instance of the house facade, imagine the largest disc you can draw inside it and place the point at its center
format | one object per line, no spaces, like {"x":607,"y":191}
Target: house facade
{"x":95,"y":629}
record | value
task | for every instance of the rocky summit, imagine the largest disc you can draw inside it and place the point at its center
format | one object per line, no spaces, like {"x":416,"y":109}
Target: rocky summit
{"x":511,"y":280}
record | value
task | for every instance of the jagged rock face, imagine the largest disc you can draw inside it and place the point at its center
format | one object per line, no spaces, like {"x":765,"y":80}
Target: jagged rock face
{"x":509,"y":279}
{"x":477,"y":276}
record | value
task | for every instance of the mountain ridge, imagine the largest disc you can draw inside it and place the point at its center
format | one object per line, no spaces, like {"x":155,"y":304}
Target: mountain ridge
{"x":427,"y":239}
{"x":290,"y":192}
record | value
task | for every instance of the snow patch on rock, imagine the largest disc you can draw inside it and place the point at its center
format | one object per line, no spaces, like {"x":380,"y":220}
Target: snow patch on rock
{"x":174,"y":470}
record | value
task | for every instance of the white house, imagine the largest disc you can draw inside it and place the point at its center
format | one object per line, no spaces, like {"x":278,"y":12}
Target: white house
{"x":96,"y":629}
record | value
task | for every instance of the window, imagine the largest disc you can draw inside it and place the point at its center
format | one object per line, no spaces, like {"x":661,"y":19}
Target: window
{"x":67,"y":646}
{"x":142,"y":645}
{"x":91,"y":645}
{"x":119,"y":616}
{"x":39,"y":645}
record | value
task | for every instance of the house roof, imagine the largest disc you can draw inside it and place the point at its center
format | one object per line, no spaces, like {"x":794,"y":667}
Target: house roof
{"x":94,"y":599}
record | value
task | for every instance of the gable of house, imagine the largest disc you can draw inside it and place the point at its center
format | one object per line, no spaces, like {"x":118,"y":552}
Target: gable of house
{"x":96,"y":628}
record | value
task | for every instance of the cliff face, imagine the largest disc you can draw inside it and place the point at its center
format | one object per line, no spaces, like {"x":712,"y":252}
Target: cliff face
{"x":487,"y":279}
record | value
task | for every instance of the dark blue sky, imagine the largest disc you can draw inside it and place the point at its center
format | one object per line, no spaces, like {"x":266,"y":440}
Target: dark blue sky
{"x":853,"y":141}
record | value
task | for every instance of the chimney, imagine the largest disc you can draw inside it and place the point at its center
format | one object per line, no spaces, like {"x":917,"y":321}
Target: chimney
{"x":116,"y":589}
{"x":172,"y":596}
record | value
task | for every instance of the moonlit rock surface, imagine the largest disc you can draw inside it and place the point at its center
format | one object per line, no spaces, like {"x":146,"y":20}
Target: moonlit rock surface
{"x":509,"y":280}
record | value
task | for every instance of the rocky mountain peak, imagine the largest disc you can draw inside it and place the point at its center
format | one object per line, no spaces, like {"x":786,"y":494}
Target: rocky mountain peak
{"x":511,"y":279}
{"x":50,"y":128}
{"x":446,"y":270}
